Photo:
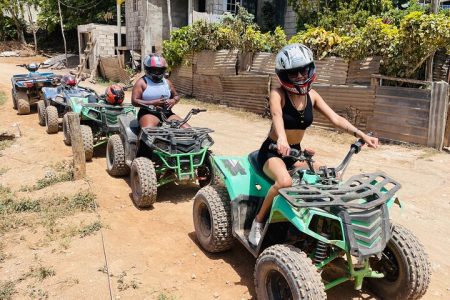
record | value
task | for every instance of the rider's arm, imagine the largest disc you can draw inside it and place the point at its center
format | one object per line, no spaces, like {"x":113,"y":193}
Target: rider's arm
{"x":277,"y":121}
{"x":339,"y":121}
{"x":136,"y":96}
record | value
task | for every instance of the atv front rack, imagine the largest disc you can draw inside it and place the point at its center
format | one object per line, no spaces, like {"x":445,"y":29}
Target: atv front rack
{"x":174,"y":140}
{"x":363,"y":191}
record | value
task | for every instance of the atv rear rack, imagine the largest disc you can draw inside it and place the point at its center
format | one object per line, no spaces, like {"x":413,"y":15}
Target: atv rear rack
{"x":363,"y":191}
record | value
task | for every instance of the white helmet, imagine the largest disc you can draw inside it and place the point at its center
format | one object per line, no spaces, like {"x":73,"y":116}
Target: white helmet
{"x":291,"y":60}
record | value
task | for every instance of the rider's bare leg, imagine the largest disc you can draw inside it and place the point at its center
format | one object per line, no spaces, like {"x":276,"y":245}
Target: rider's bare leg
{"x":148,"y":121}
{"x":277,"y":171}
{"x":176,"y":117}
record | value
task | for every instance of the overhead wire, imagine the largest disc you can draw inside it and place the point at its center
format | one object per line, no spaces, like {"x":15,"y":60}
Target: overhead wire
{"x":86,"y":6}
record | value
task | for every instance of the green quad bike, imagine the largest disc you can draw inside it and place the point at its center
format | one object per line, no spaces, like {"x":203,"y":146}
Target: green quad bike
{"x":320,"y":233}
{"x":98,"y":122}
{"x":155,"y":156}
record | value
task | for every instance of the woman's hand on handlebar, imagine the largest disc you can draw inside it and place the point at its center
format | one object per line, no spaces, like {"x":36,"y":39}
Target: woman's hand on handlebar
{"x":283,"y":146}
{"x":370,"y":141}
{"x":169,"y":103}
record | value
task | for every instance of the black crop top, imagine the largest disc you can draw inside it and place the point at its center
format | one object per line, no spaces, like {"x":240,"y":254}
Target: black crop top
{"x":297,"y":119}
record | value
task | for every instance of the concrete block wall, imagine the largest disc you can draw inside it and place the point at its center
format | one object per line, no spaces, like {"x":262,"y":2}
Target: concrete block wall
{"x":290,"y":22}
{"x":134,"y":23}
{"x":103,"y":35}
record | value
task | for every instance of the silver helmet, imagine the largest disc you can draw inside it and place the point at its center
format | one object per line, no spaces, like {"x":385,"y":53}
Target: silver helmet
{"x":292,"y":60}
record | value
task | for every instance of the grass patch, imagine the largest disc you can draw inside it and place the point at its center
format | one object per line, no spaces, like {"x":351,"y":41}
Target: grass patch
{"x":90,"y":229}
{"x":122,"y":285}
{"x":5,"y":144}
{"x":7,"y":290}
{"x":3,"y":171}
{"x":2,"y":101}
{"x":15,"y":213}
{"x":40,"y":272}
{"x":164,"y":296}
{"x":60,"y":172}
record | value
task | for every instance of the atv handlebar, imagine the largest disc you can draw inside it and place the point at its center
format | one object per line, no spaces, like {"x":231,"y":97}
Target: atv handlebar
{"x":179,"y":123}
{"x":324,"y":171}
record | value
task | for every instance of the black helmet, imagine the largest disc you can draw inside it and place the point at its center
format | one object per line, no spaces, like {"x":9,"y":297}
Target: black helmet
{"x":155,"y":67}
{"x":292,"y":60}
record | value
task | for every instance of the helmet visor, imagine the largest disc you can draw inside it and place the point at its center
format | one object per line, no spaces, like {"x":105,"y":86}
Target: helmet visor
{"x":301,"y":75}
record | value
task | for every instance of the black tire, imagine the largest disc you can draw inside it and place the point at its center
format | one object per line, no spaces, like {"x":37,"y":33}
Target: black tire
{"x":88,"y":141}
{"x":51,"y":119}
{"x":143,"y":182}
{"x":41,"y":112}
{"x":285,"y":272}
{"x":212,"y":218}
{"x":115,"y":157}
{"x":405,"y":265}
{"x":23,"y":106}
{"x":13,"y":99}
{"x":66,"y":131}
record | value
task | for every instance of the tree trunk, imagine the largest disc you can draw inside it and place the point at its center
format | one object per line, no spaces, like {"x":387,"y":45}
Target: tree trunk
{"x":62,"y":31}
{"x":33,"y":27}
{"x":169,"y":17}
{"x":14,"y":15}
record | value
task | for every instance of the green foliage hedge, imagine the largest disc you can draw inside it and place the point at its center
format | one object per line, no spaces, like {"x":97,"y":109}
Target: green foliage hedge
{"x":233,"y":32}
{"x":404,"y":39}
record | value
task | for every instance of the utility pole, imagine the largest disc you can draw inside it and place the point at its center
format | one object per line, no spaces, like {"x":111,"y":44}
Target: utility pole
{"x":62,"y":31}
{"x":429,"y":76}
{"x":119,"y":25}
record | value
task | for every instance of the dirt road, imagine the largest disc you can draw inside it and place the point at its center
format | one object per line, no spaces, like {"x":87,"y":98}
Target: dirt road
{"x":153,"y":254}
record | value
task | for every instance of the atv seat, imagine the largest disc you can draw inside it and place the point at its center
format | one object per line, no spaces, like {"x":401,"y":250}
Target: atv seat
{"x":253,"y":159}
{"x":130,"y":126}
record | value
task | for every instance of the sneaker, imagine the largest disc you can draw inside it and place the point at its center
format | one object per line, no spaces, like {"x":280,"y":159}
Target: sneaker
{"x":255,"y":233}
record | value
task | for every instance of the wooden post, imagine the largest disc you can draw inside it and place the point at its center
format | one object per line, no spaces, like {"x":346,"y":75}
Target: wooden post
{"x":438,"y":114}
{"x":79,"y":158}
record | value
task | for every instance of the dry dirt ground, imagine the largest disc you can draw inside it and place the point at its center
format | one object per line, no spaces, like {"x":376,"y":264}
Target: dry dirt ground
{"x":153,"y":254}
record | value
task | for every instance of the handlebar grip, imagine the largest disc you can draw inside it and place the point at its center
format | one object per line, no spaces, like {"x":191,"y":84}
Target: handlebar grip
{"x":292,"y":152}
{"x":202,"y":110}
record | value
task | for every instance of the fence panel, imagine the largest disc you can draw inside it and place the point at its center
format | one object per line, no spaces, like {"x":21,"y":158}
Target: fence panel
{"x":360,"y":71}
{"x":207,"y":88}
{"x":220,"y":63}
{"x":401,"y":114}
{"x":248,"y":92}
{"x":181,"y":76}
{"x":355,"y":103}
{"x":332,"y":70}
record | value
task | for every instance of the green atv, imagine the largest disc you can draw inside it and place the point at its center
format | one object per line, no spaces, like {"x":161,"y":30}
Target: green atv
{"x":320,"y":232}
{"x":155,"y":156}
{"x":99,"y":121}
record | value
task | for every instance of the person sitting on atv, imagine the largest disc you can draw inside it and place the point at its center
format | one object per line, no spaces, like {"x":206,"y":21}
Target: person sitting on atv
{"x":155,"y":90}
{"x":291,"y":106}
{"x":114,"y":94}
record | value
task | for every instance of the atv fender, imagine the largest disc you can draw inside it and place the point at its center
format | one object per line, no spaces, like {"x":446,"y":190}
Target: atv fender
{"x":239,"y":177}
{"x":49,"y":94}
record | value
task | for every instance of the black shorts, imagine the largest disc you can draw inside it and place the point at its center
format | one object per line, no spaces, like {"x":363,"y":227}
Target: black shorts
{"x":265,"y":153}
{"x":157,"y":113}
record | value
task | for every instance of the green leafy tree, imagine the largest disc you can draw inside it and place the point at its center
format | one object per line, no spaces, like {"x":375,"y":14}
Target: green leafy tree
{"x":76,"y":12}
{"x":16,"y":11}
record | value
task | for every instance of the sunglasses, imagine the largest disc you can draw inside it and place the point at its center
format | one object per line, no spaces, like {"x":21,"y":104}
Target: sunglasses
{"x":304,"y":71}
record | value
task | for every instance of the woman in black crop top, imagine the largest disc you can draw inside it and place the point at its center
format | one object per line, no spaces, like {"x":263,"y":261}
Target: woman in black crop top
{"x":292,"y":106}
